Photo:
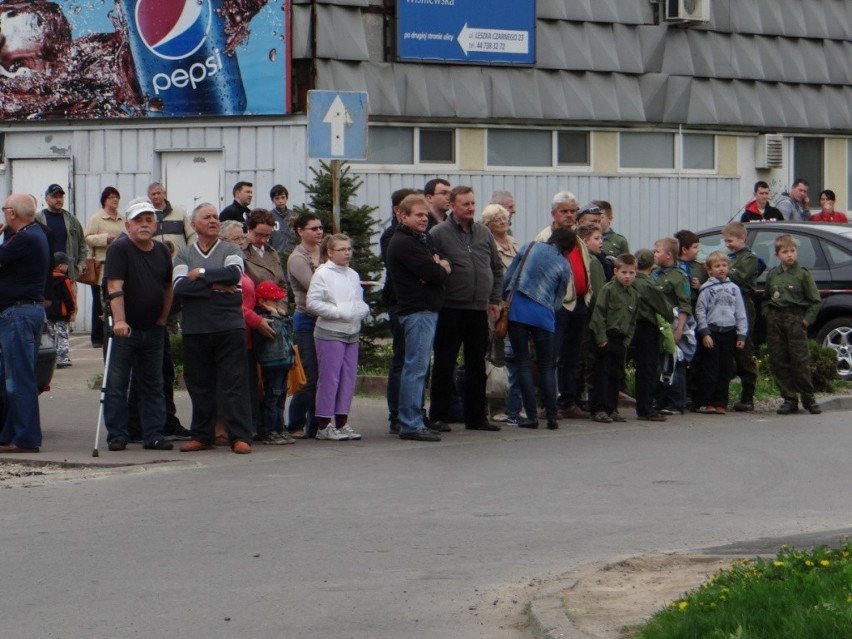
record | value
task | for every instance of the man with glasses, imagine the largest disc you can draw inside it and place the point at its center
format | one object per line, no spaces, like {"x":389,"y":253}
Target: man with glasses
{"x":571,"y":318}
{"x":437,"y":193}
{"x":25,"y":260}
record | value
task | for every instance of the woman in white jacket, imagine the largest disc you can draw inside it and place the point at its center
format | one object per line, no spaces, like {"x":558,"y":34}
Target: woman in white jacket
{"x":337,"y":299}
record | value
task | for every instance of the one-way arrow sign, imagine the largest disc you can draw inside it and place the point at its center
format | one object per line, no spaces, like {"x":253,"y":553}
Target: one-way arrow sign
{"x":337,"y":125}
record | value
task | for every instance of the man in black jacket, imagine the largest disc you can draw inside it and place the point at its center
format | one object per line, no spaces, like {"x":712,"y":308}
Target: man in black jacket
{"x":239,"y":209}
{"x":418,"y":275}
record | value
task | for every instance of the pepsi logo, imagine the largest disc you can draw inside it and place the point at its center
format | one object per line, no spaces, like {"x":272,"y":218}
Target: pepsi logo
{"x":173,"y":29}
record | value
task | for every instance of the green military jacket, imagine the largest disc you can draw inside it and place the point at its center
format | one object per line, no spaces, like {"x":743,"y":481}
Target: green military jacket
{"x":696,"y":269}
{"x":677,"y":290}
{"x":615,"y":312}
{"x":597,"y":277}
{"x":743,"y":270}
{"x":615,"y":244}
{"x":652,"y":300}
{"x":793,"y":288}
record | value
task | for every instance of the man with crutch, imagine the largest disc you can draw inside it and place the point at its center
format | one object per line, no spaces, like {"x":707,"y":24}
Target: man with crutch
{"x":139,"y":296}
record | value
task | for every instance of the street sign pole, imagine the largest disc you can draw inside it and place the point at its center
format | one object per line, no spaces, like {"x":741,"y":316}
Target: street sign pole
{"x":335,"y":196}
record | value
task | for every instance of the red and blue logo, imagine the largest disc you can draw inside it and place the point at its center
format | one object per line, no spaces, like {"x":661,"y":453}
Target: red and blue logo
{"x":173,"y":29}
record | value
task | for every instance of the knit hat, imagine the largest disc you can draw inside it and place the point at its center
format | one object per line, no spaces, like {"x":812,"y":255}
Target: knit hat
{"x":269,"y":291}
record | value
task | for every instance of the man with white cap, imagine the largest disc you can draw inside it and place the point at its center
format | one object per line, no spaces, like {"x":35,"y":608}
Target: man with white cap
{"x":139,"y":295}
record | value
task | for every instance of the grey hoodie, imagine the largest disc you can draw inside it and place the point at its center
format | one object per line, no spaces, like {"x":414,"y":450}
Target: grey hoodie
{"x":720,"y":308}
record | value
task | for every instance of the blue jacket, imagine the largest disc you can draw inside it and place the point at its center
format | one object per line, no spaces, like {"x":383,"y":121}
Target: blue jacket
{"x":544,"y":278}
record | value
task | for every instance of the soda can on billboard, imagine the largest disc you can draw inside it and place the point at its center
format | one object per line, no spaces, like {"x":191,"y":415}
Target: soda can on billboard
{"x":178,"y":49}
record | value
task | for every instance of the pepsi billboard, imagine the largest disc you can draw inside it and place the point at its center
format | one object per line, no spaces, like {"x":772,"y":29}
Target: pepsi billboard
{"x":143,"y":58}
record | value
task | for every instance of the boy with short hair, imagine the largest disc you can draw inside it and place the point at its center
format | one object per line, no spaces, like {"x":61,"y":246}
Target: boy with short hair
{"x":614,"y":244}
{"x":792,"y":304}
{"x":743,"y":270}
{"x":671,"y":398}
{"x":590,"y":234}
{"x":275,"y":357}
{"x":722,"y":325}
{"x":63,"y":304}
{"x":646,"y":336}
{"x":687,"y":261}
{"x":611,"y":327}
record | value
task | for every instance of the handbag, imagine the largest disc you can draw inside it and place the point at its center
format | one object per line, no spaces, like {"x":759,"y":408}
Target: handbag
{"x":501,"y":326}
{"x":90,"y":274}
{"x":496,"y":381}
{"x":296,"y":378}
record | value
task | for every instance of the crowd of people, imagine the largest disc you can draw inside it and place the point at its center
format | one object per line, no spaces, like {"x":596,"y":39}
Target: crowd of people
{"x":564,"y":312}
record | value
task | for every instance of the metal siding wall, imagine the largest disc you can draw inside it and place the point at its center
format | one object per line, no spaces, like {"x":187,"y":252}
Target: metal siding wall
{"x":646,"y":207}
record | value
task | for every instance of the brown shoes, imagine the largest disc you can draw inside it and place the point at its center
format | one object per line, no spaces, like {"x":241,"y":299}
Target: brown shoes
{"x":194,"y":446}
{"x":241,"y":448}
{"x":14,"y":448}
{"x":573,"y":412}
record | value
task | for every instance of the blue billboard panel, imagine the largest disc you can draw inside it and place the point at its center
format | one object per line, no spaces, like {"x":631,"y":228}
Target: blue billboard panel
{"x":143,"y":58}
{"x":493,"y":32}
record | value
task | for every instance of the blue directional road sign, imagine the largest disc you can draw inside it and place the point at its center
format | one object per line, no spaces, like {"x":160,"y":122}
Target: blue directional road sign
{"x":493,"y":32}
{"x":337,"y":125}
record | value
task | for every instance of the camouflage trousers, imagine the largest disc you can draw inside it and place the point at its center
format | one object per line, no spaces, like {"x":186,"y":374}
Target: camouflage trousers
{"x":58,"y":331}
{"x":789,"y":357}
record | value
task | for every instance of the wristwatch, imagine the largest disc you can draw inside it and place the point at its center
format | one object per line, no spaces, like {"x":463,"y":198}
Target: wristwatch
{"x":201,"y":272}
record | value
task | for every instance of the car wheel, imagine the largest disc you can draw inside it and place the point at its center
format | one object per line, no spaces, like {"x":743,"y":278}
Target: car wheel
{"x":837,"y":335}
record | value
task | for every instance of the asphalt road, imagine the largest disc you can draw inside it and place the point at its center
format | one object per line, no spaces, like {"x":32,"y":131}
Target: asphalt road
{"x":383,"y":538}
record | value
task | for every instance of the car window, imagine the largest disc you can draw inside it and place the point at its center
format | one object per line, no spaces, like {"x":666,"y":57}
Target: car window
{"x":710,"y":243}
{"x":809,"y":253}
{"x":836,"y":255}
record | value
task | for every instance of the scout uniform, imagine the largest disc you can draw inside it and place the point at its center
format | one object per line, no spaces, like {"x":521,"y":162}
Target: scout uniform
{"x":614,"y":244}
{"x":646,"y":341}
{"x":791,"y":296}
{"x":743,"y":271}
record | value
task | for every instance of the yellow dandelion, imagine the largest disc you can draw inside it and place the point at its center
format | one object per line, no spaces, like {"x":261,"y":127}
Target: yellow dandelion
{"x":777,"y":564}
{"x":808,"y":563}
{"x":825,"y":563}
{"x":683,"y":605}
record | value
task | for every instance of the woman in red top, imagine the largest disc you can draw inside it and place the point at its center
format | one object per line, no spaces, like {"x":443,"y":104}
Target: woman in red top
{"x":827,"y":212}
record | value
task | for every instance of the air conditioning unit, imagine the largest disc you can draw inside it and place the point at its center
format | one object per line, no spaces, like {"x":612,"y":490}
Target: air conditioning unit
{"x":686,"y":11}
{"x":769,"y":152}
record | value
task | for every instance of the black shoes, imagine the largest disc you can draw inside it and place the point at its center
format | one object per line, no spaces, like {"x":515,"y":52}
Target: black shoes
{"x":423,"y":435}
{"x":656,"y":417}
{"x":744,"y":406}
{"x":393,"y":426}
{"x":440,"y":426}
{"x":159,"y":444}
{"x":116,"y":445}
{"x":813,"y":408}
{"x":484,"y":425}
{"x":528,"y":423}
{"x":790,"y":407}
{"x":552,"y":424}
{"x":178,"y":434}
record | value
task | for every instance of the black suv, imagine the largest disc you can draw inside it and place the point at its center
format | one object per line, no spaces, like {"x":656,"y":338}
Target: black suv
{"x":826,"y":251}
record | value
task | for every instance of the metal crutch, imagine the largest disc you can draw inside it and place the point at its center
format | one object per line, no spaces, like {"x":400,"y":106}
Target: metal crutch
{"x":103,"y":389}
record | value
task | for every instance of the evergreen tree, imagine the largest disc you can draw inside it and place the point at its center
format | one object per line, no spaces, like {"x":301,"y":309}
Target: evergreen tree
{"x":359,"y":224}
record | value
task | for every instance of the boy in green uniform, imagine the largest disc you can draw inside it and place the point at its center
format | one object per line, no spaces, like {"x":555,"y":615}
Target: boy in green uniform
{"x":792,"y":304}
{"x":590,"y":234}
{"x":646,"y":337}
{"x":671,"y":398}
{"x":611,"y":327}
{"x":614,"y":244}
{"x":743,"y":271}
{"x":687,"y":261}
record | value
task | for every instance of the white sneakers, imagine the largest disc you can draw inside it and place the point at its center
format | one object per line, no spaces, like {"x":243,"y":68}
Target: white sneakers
{"x":338,"y":434}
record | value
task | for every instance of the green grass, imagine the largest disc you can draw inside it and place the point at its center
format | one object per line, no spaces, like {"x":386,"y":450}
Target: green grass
{"x":798,"y":595}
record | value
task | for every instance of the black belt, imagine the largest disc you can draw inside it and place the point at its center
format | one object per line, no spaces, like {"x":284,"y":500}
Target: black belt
{"x":21,"y":303}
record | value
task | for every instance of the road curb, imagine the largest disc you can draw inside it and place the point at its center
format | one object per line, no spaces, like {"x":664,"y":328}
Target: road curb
{"x":548,"y":616}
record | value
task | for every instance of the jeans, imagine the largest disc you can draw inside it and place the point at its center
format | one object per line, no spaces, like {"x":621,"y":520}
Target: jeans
{"x":397,"y":361}
{"x":457,"y":328}
{"x":20,"y":335}
{"x":301,"y":410}
{"x":419,"y":333}
{"x":141,"y":353}
{"x":568,"y":347}
{"x":274,"y":387}
{"x":216,"y":378}
{"x":520,"y":335}
{"x":172,"y":423}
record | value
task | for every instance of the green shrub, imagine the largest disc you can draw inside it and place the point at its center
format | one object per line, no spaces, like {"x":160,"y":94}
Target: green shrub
{"x":823,"y":365}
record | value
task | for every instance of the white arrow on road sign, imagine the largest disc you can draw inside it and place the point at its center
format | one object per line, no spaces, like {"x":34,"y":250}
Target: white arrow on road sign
{"x":338,"y":117}
{"x":493,"y":40}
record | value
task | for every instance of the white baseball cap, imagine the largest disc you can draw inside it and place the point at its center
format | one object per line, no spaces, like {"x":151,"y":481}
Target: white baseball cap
{"x":139,"y":206}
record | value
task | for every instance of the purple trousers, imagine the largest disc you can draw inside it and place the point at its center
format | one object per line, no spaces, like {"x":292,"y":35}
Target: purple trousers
{"x":338,"y":366}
